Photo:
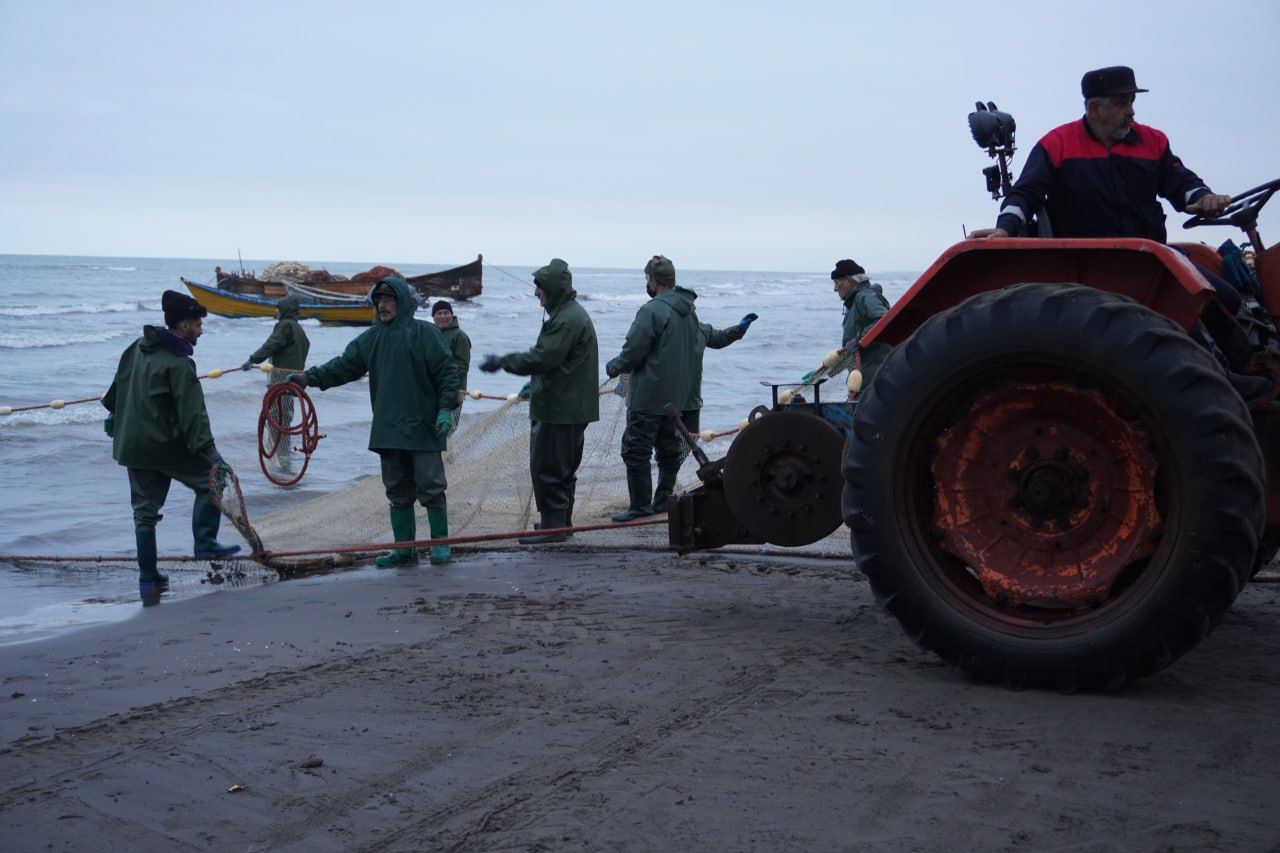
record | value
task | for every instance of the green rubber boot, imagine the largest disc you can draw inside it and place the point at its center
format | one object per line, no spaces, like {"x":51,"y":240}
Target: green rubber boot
{"x":640,"y":489}
{"x":206,"y":518}
{"x":439,"y":521}
{"x":148,"y":574}
{"x":405,"y":529}
{"x":666,"y":488}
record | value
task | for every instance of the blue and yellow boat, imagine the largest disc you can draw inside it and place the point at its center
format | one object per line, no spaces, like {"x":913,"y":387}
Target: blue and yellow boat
{"x":224,"y":303}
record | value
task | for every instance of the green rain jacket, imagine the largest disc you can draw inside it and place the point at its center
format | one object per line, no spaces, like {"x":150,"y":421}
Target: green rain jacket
{"x":411,"y":376}
{"x":862,"y":310}
{"x":565,"y":361}
{"x":288,"y":345}
{"x":460,"y":348}
{"x":157,"y":404}
{"x":663,"y":353}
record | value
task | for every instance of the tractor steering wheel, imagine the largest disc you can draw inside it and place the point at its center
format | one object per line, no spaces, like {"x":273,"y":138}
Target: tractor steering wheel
{"x":1243,"y":210}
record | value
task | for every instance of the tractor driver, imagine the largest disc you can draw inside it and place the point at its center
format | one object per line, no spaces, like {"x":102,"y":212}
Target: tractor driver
{"x":1099,"y":176}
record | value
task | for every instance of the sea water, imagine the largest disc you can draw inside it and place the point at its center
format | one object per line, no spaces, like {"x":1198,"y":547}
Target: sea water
{"x":64,"y":321}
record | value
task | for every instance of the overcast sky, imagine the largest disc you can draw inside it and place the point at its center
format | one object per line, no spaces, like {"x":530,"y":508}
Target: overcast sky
{"x":765,"y":136}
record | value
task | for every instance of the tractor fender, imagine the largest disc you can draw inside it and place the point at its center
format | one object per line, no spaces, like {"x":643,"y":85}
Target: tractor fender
{"x":1151,"y":273}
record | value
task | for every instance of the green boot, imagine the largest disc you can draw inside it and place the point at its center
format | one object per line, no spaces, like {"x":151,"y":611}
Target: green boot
{"x":666,"y":488}
{"x":206,"y":518}
{"x":640,"y":488}
{"x":439,"y":521}
{"x":405,"y":529}
{"x":148,"y":574}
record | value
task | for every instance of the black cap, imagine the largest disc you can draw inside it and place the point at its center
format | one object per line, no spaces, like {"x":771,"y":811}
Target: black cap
{"x":178,"y":307}
{"x":1104,"y":82}
{"x":846,"y":268}
{"x":442,"y":305}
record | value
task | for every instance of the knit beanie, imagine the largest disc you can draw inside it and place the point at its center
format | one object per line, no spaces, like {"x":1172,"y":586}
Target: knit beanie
{"x":846,"y":269}
{"x":178,"y":307}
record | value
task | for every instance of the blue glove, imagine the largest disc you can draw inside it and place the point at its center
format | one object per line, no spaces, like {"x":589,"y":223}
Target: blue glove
{"x":298,"y":379}
{"x":525,"y":391}
{"x":491,"y":363}
{"x":746,"y":321}
{"x":611,"y":368}
{"x":215,"y":458}
{"x":807,"y":379}
{"x":109,"y":425}
{"x":444,"y":422}
{"x":248,"y":365}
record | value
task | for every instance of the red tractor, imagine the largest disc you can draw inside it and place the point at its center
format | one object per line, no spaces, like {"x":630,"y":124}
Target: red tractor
{"x":1052,"y":481}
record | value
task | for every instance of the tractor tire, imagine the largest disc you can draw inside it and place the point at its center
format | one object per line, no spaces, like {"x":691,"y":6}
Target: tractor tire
{"x":1053,"y":486}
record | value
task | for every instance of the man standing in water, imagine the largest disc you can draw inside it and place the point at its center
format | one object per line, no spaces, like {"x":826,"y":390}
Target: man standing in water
{"x":160,"y":432}
{"x":286,"y":348}
{"x":413,"y":386}
{"x":663,"y":353}
{"x":864,"y":305}
{"x":459,"y":345}
{"x":564,"y":396}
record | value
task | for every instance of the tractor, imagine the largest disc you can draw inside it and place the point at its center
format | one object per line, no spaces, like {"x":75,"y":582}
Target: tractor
{"x":1053,"y":480}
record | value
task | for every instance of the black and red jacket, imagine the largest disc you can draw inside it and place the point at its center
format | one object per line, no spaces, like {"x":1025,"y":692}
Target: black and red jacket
{"x":1090,"y":190}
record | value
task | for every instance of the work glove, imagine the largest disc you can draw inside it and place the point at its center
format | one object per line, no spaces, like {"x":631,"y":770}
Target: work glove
{"x":745,"y":322}
{"x":248,"y":365}
{"x":491,"y":364}
{"x":807,"y":379}
{"x":525,"y":391}
{"x":444,"y":422}
{"x":611,"y":368}
{"x":109,"y":425}
{"x":298,"y":379}
{"x":620,"y":387}
{"x":216,"y":460}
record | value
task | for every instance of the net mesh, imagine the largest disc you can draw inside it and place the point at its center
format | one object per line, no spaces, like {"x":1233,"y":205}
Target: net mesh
{"x":489,"y":491}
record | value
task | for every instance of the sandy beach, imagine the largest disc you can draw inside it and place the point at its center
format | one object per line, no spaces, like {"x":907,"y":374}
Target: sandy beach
{"x":615,"y":701}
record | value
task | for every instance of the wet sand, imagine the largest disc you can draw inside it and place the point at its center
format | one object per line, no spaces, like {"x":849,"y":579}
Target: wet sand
{"x":618,"y":701}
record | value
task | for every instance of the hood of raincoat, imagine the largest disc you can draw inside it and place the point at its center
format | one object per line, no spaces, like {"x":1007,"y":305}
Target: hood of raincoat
{"x":155,"y":338}
{"x":557,"y":282}
{"x":287,"y":308}
{"x":406,"y":305}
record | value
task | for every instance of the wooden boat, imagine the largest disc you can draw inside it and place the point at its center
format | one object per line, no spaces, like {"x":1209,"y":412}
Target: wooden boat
{"x":226,"y":304}
{"x":462,"y":282}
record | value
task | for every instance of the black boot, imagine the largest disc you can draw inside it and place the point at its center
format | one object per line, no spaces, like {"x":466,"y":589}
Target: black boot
{"x":148,"y":574}
{"x":206,"y":518}
{"x":550,"y":521}
{"x":666,"y":488}
{"x":568,"y":517}
{"x":640,"y":488}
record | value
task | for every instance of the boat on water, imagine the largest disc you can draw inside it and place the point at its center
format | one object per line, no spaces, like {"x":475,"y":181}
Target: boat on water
{"x":462,"y":282}
{"x":227,"y":304}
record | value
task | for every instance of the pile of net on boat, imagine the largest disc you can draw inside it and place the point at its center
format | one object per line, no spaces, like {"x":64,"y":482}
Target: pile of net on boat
{"x":299,"y":273}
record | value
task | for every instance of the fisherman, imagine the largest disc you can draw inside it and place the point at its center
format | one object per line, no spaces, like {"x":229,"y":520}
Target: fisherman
{"x":413,"y":386}
{"x":459,"y":345}
{"x":564,"y":396}
{"x":160,"y":432}
{"x":663,"y":353}
{"x":286,"y":348}
{"x":864,"y":305}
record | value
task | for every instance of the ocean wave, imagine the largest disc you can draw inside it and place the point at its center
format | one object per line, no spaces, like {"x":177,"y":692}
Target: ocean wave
{"x":83,"y":413}
{"x":103,"y":267}
{"x":29,"y":341}
{"x":84,"y":308}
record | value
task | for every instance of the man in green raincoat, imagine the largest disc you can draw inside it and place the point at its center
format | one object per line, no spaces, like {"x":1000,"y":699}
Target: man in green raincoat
{"x":459,"y":344}
{"x":286,"y":348}
{"x":160,"y":432}
{"x":413,"y":385}
{"x":564,"y":395}
{"x":663,"y":353}
{"x":864,"y":305}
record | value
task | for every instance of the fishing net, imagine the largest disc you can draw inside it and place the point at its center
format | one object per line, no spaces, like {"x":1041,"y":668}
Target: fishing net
{"x":489,"y":492}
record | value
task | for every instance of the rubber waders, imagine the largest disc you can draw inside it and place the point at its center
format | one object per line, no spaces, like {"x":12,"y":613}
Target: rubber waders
{"x":640,"y":488}
{"x":550,"y":521}
{"x":439,"y":521}
{"x":205,"y":520}
{"x":405,"y":529}
{"x":666,"y":488}
{"x":148,"y":574}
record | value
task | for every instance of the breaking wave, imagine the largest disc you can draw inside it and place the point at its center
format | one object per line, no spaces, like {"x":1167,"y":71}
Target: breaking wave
{"x":20,"y":341}
{"x":58,"y":310}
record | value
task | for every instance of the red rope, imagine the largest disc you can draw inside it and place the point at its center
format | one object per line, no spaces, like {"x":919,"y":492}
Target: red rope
{"x":272,"y":429}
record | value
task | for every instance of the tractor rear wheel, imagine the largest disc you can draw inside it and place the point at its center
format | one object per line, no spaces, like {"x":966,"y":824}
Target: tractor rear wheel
{"x":1053,"y":486}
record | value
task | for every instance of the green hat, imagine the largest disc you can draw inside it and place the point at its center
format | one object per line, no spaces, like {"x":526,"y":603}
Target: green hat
{"x":662,"y":271}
